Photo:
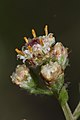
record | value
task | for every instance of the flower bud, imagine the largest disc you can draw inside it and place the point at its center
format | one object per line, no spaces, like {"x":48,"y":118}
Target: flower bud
{"x":51,"y":71}
{"x":21,"y":75}
{"x":61,"y":54}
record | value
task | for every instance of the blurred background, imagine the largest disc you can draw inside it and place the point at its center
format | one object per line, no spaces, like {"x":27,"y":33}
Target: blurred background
{"x":17,"y":18}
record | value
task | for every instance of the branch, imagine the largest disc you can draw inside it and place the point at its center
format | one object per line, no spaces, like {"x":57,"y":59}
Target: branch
{"x":76,"y":113}
{"x":67,"y":111}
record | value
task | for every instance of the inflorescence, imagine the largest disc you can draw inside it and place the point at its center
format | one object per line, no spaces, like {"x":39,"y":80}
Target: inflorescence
{"x":42,"y":51}
{"x":42,"y":70}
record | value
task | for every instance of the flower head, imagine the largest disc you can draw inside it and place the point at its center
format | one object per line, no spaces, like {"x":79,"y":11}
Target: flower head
{"x":36,"y":49}
{"x":51,"y":71}
{"x":21,"y":75}
{"x":61,"y":54}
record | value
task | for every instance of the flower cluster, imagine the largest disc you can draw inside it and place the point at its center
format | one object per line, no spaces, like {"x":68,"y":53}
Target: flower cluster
{"x":36,"y":50}
{"x":42,"y":71}
{"x":42,"y":52}
{"x":40,"y":49}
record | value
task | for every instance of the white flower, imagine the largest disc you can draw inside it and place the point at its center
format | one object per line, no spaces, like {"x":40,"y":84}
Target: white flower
{"x":46,"y":48}
{"x":21,"y":57}
{"x":28,"y":54}
{"x":37,"y":49}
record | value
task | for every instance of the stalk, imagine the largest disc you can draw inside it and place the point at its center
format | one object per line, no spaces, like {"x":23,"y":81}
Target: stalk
{"x":67,"y":111}
{"x":76,"y":113}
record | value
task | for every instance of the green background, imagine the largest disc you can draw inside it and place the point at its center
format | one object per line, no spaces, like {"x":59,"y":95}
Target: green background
{"x":17,"y":18}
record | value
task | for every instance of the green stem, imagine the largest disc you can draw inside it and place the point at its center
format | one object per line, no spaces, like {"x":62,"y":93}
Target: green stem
{"x":76,"y":113}
{"x":37,"y":90}
{"x":41,"y":91}
{"x":67,"y":111}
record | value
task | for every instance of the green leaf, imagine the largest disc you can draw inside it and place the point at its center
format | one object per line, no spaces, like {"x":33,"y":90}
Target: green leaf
{"x":63,"y":95}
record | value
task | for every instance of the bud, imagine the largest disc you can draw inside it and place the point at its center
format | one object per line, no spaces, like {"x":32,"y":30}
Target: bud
{"x":61,"y":54}
{"x":21,"y":75}
{"x":51,"y":71}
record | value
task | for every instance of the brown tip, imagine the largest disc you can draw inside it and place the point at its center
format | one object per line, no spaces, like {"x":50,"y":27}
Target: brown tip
{"x":19,"y":52}
{"x":33,"y":33}
{"x":41,"y":42}
{"x":46,"y":30}
{"x":30,"y":48}
{"x":26,"y":40}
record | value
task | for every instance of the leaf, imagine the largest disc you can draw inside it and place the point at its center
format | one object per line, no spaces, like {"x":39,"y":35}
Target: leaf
{"x":63,"y":96}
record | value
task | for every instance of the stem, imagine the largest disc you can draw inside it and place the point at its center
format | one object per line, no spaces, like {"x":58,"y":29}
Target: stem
{"x":40,"y":91}
{"x":67,"y":111}
{"x":37,"y":90}
{"x":76,"y":113}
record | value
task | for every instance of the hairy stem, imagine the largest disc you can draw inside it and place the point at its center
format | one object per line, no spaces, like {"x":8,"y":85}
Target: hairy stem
{"x":67,"y":111}
{"x":41,"y":91}
{"x":76,"y":113}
